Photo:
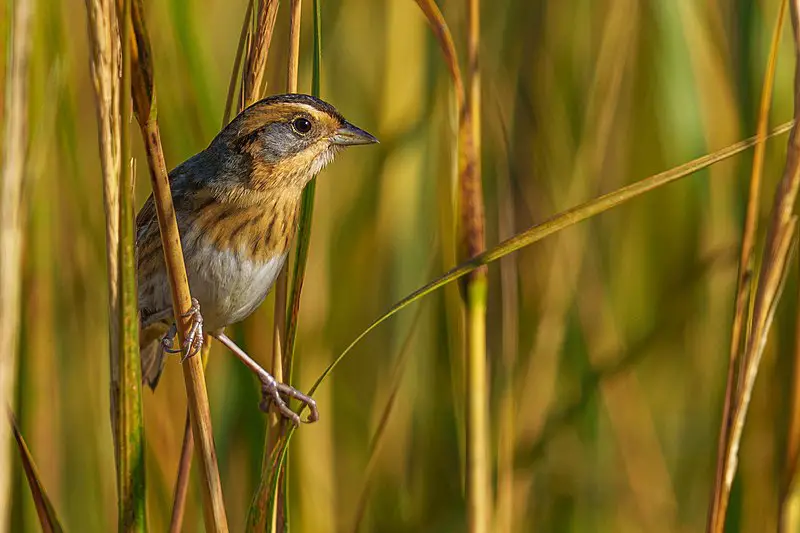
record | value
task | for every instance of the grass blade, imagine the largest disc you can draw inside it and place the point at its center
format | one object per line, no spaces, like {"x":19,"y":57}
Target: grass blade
{"x":779,"y":248}
{"x":144,"y":104}
{"x":536,"y":233}
{"x":105,"y":49}
{"x":256,"y":65}
{"x":276,"y":426}
{"x":187,"y":446}
{"x":270,"y":483}
{"x":12,"y":166}
{"x":48,"y":518}
{"x":129,"y":428}
{"x":745,"y":276}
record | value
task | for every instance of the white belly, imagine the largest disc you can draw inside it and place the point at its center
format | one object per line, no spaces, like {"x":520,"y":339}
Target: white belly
{"x":229,"y":285}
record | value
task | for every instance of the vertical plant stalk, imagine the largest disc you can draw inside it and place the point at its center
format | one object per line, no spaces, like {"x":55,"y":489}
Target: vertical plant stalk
{"x":237,"y":63}
{"x":778,"y":250}
{"x":185,"y":462}
{"x":745,"y":275}
{"x":277,"y":425}
{"x":129,"y":428}
{"x":471,"y":229}
{"x":187,"y":447}
{"x":104,"y":64}
{"x":145,"y":109}
{"x":788,"y":497}
{"x":15,"y":141}
{"x":256,"y":64}
{"x":306,"y":212}
{"x":471,"y":244}
{"x":272,"y":469}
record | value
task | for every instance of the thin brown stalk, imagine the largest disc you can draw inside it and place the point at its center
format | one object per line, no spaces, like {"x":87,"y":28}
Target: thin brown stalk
{"x":471,"y":243}
{"x":789,"y":516}
{"x":185,"y":462}
{"x":187,"y":447}
{"x":182,"y":479}
{"x":144,"y":105}
{"x":237,"y":63}
{"x":745,"y":276}
{"x":780,"y":245}
{"x":478,"y":448}
{"x":15,"y":141}
{"x":256,"y":64}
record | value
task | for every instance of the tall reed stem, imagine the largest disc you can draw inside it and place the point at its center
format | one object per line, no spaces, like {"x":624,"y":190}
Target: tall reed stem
{"x":144,"y":105}
{"x":471,"y":218}
{"x":129,"y":429}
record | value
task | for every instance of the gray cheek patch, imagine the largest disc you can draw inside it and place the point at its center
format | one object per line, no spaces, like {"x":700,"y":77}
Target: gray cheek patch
{"x":280,"y":141}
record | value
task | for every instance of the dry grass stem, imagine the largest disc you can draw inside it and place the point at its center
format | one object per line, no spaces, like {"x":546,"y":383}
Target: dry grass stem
{"x":144,"y":105}
{"x":104,"y":63}
{"x":15,"y":146}
{"x":471,"y":242}
{"x":780,"y":245}
{"x":256,"y":64}
{"x":745,"y":275}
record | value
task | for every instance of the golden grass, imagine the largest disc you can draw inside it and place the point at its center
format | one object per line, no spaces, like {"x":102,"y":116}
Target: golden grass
{"x":607,"y":345}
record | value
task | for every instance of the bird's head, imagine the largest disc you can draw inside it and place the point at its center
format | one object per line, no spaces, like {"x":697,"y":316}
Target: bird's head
{"x":285,"y":140}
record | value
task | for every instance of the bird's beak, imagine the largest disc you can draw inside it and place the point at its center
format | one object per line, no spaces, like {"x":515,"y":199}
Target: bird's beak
{"x":349,"y":135}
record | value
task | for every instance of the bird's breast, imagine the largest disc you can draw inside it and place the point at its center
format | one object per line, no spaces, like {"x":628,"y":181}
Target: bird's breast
{"x":230,"y":284}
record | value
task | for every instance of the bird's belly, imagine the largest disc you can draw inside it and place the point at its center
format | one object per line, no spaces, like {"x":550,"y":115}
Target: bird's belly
{"x":229,"y":285}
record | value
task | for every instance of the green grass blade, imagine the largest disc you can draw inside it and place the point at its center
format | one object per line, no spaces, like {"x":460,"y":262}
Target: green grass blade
{"x":129,"y":430}
{"x":298,"y":274}
{"x":306,"y":211}
{"x":554,"y":224}
{"x":44,"y":508}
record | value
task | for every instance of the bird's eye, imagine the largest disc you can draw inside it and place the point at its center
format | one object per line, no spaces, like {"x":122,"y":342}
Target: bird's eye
{"x":301,"y":125}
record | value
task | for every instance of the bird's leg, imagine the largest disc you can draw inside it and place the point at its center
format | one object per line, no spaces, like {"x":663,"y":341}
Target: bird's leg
{"x":193,"y":342}
{"x":271,"y":390}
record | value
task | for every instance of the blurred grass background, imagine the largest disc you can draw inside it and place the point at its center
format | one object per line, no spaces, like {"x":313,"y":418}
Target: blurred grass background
{"x":608,"y":342}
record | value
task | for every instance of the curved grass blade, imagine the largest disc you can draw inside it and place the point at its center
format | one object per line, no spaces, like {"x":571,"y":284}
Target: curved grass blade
{"x":44,"y":508}
{"x":536,"y":233}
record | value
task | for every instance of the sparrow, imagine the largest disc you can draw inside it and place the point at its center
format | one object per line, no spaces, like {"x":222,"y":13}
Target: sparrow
{"x":237,"y":204}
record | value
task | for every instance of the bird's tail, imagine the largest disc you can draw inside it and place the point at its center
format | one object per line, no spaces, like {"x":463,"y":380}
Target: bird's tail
{"x":151,"y":352}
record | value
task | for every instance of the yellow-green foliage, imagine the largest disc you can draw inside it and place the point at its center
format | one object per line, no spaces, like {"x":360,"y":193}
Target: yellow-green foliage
{"x":607,"y":343}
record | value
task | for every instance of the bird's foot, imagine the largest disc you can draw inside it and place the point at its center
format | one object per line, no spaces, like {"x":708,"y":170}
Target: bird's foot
{"x":193,"y":342}
{"x":271,"y":391}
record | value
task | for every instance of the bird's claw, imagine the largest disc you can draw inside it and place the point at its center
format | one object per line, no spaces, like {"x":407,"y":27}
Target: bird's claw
{"x":271,"y":392}
{"x":193,"y":342}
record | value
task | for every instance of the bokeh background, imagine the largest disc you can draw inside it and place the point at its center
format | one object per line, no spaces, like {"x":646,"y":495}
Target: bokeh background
{"x":608,"y":343}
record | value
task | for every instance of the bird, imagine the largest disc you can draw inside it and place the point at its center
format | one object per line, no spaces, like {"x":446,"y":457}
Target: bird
{"x":236,"y":204}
